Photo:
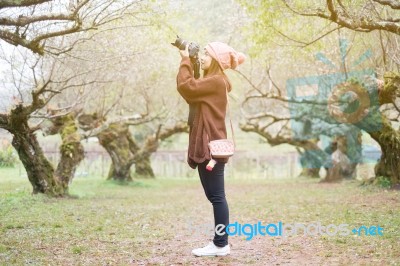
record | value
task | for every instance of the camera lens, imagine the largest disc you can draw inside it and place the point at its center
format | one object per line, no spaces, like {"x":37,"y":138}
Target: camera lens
{"x":182,"y":45}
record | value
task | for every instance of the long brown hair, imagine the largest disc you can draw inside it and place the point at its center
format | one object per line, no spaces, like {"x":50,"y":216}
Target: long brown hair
{"x":214,"y":69}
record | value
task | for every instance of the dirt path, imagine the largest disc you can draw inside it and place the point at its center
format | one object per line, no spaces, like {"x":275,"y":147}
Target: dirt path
{"x":148,"y":224}
{"x":291,"y":250}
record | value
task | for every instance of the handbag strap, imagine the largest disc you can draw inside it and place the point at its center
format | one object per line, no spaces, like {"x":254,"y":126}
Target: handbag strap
{"x":229,"y":112}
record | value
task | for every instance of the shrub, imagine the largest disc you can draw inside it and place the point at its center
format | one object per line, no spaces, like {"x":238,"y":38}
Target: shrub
{"x":7,"y":156}
{"x":383,"y":182}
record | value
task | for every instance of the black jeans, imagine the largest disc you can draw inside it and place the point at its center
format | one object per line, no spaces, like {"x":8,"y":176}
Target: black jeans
{"x":213,"y":184}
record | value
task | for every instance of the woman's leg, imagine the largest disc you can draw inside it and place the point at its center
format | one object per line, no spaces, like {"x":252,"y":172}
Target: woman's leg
{"x":213,"y":184}
{"x":199,"y":168}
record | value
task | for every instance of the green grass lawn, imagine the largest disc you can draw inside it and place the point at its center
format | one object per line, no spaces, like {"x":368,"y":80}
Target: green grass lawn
{"x":146,"y":222}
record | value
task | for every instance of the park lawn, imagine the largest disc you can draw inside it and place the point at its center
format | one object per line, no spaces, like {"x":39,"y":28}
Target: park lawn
{"x":147,"y":222}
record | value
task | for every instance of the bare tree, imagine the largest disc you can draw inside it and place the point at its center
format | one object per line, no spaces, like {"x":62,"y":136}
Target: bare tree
{"x":364,"y":17}
{"x":388,"y":137}
{"x":376,"y":19}
{"x":122,"y":146}
{"x":139,"y":87}
{"x":50,"y":28}
{"x":71,"y":149}
{"x":164,"y":131}
{"x":18,"y":122}
{"x":33,"y":23}
{"x":266,"y":112}
{"x":375,"y":15}
{"x":115,"y":137}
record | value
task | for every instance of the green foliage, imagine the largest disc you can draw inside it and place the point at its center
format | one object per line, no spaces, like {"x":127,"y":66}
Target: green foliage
{"x":8,"y":157}
{"x":77,"y":250}
{"x":383,"y":181}
{"x":281,"y":31}
{"x":273,"y":23}
{"x":392,"y":85}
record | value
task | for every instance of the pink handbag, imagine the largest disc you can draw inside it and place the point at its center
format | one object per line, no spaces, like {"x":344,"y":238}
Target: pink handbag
{"x":223,"y":148}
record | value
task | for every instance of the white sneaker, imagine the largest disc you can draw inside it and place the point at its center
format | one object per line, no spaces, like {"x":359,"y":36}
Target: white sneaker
{"x":212,"y":250}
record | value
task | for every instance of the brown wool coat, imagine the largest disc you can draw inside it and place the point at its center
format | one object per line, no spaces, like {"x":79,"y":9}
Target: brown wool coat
{"x":208,"y":95}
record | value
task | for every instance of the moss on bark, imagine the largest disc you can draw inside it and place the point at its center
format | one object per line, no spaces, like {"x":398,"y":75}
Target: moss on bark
{"x":39,"y":170}
{"x":71,"y":150}
{"x":116,"y":139}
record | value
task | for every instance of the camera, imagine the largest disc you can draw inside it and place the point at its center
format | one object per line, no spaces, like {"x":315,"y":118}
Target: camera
{"x":193,"y":49}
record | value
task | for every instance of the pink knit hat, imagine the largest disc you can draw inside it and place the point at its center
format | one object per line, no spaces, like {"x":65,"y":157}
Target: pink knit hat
{"x":225,"y":55}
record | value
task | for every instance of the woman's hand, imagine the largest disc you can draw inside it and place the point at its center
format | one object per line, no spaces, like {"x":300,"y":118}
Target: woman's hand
{"x":184,"y":53}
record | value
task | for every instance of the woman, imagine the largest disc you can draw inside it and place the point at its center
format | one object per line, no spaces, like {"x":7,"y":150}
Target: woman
{"x":208,"y":101}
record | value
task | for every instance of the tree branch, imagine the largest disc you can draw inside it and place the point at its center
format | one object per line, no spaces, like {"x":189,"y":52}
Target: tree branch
{"x":75,"y":28}
{"x":305,"y":44}
{"x":361,"y":23}
{"x":105,"y":12}
{"x":21,"y":3}
{"x":16,"y":40}
{"x":179,"y":127}
{"x":394,"y":4}
{"x":22,"y":21}
{"x":129,"y":120}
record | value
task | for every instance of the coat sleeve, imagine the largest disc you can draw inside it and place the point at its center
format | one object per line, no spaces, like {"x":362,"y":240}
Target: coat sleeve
{"x":196,"y":90}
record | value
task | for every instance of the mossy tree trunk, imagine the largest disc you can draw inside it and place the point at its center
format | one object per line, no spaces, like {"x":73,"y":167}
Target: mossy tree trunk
{"x":310,"y":172}
{"x":346,"y":148}
{"x":39,"y":170}
{"x":71,"y":150}
{"x":341,"y":168}
{"x":388,"y":137}
{"x":142,"y":157}
{"x":117,"y":141}
{"x":389,"y":163}
{"x":123,"y":149}
{"x":143,"y":166}
{"x":311,"y":158}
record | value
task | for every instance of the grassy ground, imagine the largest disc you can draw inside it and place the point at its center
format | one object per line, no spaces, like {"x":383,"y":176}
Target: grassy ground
{"x":147,"y":223}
